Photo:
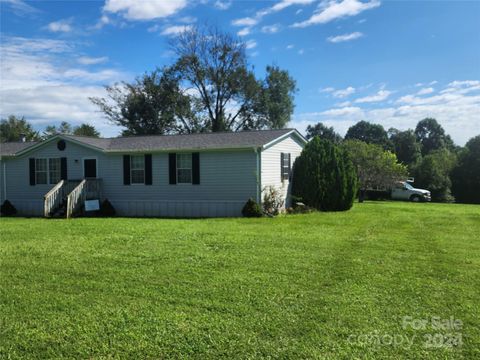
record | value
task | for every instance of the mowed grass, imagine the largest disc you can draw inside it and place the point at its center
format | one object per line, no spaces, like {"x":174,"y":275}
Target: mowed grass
{"x":321,"y":285}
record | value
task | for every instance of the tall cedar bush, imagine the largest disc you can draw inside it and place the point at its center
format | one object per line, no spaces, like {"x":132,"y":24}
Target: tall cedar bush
{"x":324,"y":177}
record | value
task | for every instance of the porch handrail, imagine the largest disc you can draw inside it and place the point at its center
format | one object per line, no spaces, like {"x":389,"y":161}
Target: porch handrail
{"x":76,"y":198}
{"x":53,"y":198}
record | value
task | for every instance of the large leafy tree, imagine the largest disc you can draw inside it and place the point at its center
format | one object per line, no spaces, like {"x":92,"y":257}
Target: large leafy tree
{"x":376,"y":167}
{"x":14,"y":129}
{"x":406,"y":146}
{"x":433,"y":173}
{"x":153,"y":104}
{"x":275,"y":103}
{"x":68,"y":129}
{"x":431,"y":135}
{"x":369,"y":133}
{"x":63,"y":128}
{"x":466,"y":175}
{"x":209,"y":87}
{"x":86,"y":130}
{"x":324,"y":177}
{"x":323,"y":132}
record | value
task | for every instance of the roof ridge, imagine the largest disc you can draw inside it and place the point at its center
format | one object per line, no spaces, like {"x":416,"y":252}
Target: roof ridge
{"x":189,"y":134}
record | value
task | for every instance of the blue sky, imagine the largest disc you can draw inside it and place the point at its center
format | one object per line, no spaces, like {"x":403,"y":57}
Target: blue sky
{"x":389,"y":62}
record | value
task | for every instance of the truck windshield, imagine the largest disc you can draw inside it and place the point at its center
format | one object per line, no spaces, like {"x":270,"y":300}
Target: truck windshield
{"x":408,"y":186}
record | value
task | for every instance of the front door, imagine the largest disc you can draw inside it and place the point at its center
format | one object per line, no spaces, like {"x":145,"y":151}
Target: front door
{"x":89,"y":168}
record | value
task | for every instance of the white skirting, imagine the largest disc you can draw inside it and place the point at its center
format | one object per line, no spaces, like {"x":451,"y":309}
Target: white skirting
{"x":170,"y":208}
{"x":151,"y":208}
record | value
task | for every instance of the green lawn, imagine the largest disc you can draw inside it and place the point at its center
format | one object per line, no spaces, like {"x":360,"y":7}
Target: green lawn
{"x":322,"y":285}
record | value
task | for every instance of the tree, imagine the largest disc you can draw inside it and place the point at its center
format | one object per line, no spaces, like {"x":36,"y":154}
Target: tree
{"x":323,"y":132}
{"x":431,"y":135}
{"x":369,"y":133}
{"x":276,"y":102}
{"x":406,"y":147}
{"x":324,"y":177}
{"x":86,"y":130}
{"x":376,"y":168}
{"x":153,"y":104}
{"x":63,"y":128}
{"x":208,"y":88}
{"x":432,"y":173}
{"x":466,"y":174}
{"x":14,"y":128}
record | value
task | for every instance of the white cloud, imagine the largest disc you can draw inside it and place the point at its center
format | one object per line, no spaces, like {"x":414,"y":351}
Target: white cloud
{"x":342,"y":93}
{"x":40,"y":83}
{"x":379,"y":96}
{"x":271,"y":29}
{"x":20,"y":7}
{"x":343,"y":104}
{"x":222,"y":5}
{"x":462,"y":87}
{"x":144,"y":10}
{"x":154,"y":28}
{"x":345,"y":37}
{"x":301,"y":52}
{"x":327,"y":90}
{"x":85,"y":60}
{"x":250,"y":44}
{"x":60,"y":26}
{"x":457,"y":111}
{"x":335,"y":9}
{"x":290,"y":46}
{"x":175,"y":29}
{"x":246,"y":21}
{"x":90,"y":76}
{"x":283,"y":4}
{"x":349,"y":110}
{"x":244,"y":32}
{"x":187,"y":19}
{"x":104,"y":20}
{"x":425,"y":91}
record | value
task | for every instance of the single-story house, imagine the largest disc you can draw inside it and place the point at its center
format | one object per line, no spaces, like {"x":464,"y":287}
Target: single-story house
{"x":195,"y":175}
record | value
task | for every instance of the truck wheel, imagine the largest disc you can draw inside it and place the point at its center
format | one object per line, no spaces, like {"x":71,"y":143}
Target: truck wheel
{"x":415,"y":198}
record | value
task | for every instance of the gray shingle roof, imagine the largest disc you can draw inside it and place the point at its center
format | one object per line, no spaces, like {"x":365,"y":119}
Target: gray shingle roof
{"x":204,"y":141}
{"x":11,"y":148}
{"x":225,"y":140}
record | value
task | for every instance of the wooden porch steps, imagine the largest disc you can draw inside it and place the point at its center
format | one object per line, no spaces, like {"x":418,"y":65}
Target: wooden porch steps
{"x":67,"y":198}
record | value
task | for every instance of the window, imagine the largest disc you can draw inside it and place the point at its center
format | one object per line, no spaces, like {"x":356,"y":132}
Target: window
{"x":285,"y":166}
{"x":48,"y":171}
{"x":54,"y":172}
{"x":184,"y":168}
{"x":41,"y":173}
{"x":137,"y":169}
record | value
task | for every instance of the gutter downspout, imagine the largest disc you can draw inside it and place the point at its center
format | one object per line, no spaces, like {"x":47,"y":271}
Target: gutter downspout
{"x":258,"y":152}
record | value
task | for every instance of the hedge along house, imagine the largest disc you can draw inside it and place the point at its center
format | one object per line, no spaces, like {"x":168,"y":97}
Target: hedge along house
{"x":197,"y":175}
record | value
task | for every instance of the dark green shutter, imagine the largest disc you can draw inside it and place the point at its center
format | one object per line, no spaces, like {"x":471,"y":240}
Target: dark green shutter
{"x":126,"y":169}
{"x":148,"y":169}
{"x":196,"y":168}
{"x":172,"y":168}
{"x":282,"y":158}
{"x":32,"y":171}
{"x":63,"y":168}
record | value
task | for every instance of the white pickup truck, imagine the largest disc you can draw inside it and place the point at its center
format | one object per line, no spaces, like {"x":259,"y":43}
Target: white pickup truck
{"x":404,"y":191}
